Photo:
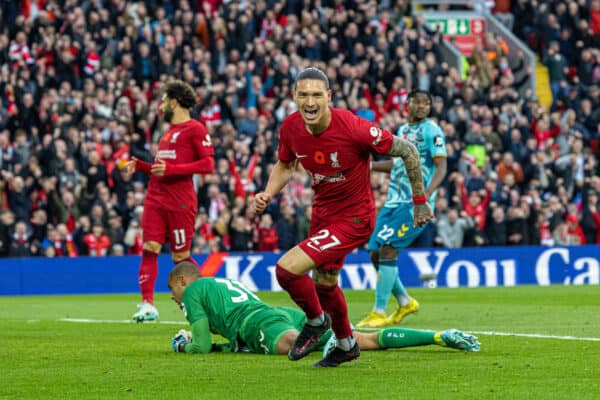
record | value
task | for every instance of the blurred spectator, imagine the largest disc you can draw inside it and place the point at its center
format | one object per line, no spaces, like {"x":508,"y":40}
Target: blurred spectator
{"x":133,"y":239}
{"x":557,"y":70}
{"x":6,"y":232}
{"x":508,"y":166}
{"x":496,"y":228}
{"x":20,"y":246}
{"x":18,"y":198}
{"x":475,"y":203}
{"x":240,"y":233}
{"x":304,"y":216}
{"x":267,"y":239}
{"x":286,"y":228}
{"x":97,"y":242}
{"x":451,"y":229}
{"x":569,"y":233}
{"x":115,"y":230}
{"x":590,"y":217}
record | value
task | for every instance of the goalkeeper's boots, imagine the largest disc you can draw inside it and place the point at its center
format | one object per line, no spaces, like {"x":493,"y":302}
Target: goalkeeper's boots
{"x":308,"y":339}
{"x":336,"y":356}
{"x":146,"y":312}
{"x":460,"y":340}
{"x":402,"y":311}
{"x":373,"y":319}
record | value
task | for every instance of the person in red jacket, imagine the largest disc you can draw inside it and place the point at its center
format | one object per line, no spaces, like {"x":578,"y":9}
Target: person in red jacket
{"x":473,"y":204}
{"x":543,"y":130}
{"x":97,"y":241}
{"x":267,"y":234}
{"x":574,"y":231}
{"x":242,"y":182}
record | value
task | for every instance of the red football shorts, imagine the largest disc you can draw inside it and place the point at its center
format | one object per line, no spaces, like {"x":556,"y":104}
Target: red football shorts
{"x":177,"y":227}
{"x":329,"y":242}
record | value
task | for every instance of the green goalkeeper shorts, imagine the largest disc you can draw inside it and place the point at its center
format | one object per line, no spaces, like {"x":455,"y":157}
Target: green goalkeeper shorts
{"x":264,"y":329}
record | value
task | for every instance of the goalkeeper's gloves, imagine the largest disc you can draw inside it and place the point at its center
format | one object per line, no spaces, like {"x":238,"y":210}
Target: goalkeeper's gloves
{"x":182,"y":338}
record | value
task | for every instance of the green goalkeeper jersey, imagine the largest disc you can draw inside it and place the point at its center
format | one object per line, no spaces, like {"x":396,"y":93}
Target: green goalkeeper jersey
{"x":225,"y":303}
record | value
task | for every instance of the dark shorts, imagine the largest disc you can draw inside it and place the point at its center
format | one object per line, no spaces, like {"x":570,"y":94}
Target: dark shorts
{"x":329,"y":242}
{"x":176,"y":227}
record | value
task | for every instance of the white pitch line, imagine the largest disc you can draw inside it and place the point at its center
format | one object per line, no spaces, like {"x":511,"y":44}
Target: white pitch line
{"x":489,"y":333}
{"x":537,"y":336}
{"x":117,"y":321}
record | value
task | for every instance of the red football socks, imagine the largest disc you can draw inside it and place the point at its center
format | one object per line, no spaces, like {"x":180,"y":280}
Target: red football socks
{"x":302,"y":290}
{"x":334,"y":303}
{"x":147,"y":275}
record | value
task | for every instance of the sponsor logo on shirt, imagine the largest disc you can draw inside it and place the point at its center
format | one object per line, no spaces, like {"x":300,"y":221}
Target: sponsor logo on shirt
{"x":175,"y":136}
{"x":168,"y":154}
{"x":318,"y":178}
{"x":438,"y":141}
{"x":334,"y":160}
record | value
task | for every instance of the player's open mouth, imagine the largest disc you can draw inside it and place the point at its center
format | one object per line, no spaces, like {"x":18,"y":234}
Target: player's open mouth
{"x":311,"y":114}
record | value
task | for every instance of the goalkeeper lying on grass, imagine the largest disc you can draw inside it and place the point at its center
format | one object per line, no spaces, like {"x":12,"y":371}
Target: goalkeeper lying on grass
{"x":226,"y":307}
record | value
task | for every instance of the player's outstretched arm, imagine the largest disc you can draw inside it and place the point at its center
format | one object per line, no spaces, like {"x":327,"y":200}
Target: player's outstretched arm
{"x":200,"y":341}
{"x":409,"y":154}
{"x":280,"y":176}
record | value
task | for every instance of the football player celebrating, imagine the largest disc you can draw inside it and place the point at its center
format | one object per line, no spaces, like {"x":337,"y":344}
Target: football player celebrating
{"x":335,"y":147}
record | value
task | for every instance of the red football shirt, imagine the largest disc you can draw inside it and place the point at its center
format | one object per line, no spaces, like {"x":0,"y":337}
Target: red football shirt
{"x":181,"y":144}
{"x":337,"y":160}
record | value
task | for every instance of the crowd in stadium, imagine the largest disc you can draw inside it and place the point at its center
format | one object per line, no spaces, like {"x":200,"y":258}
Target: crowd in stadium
{"x":80,"y":86}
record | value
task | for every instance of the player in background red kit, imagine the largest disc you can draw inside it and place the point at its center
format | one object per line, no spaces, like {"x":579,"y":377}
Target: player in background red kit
{"x":171,"y":202}
{"x":334,"y":146}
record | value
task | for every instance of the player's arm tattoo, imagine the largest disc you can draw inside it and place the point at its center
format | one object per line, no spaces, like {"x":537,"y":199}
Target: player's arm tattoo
{"x":409,"y":154}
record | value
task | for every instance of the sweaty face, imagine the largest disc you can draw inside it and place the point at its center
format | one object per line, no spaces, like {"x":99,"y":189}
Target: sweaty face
{"x":419,"y":107}
{"x":312,"y":98}
{"x":166,"y":108}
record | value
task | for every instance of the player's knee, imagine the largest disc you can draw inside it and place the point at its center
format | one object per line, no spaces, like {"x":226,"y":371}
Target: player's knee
{"x":180,"y":256}
{"x":152,"y":246}
{"x":296,"y":261}
{"x":325,"y":277}
{"x":388,"y":253}
{"x":286,"y":342}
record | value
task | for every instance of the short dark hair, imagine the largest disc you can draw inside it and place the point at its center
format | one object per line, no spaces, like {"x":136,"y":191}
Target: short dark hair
{"x":184,"y":268}
{"x":182,"y":92}
{"x":417,"y":92}
{"x":314,"y":74}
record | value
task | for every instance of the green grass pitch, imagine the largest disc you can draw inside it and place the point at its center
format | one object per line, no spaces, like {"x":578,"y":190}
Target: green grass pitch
{"x":43,"y":357}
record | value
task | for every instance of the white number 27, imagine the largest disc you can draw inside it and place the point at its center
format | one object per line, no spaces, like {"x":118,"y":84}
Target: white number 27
{"x":316,"y":241}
